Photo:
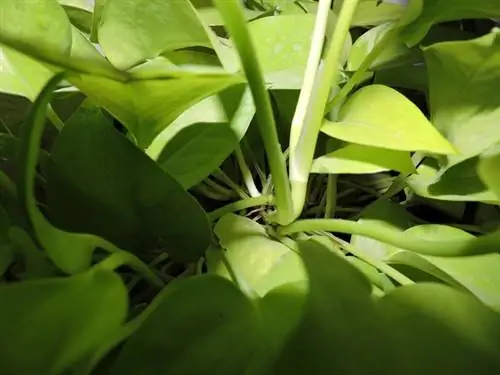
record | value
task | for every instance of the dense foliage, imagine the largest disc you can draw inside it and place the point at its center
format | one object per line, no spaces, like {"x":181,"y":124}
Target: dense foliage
{"x":258,"y":187}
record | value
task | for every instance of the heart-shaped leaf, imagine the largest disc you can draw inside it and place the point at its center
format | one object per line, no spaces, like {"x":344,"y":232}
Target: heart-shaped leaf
{"x":379,"y":116}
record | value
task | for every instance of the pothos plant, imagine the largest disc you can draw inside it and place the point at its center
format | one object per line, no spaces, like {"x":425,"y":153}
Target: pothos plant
{"x":280,"y":187}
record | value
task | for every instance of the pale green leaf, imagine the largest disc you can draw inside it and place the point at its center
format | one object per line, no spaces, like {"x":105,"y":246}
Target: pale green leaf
{"x":254,"y":255}
{"x":282,"y":45}
{"x":199,"y":140}
{"x":196,"y":151}
{"x":358,"y":159}
{"x":439,"y":329}
{"x":463,"y":80}
{"x":379,"y":116}
{"x":146,"y":107}
{"x":373,"y":12}
{"x":131,"y":31}
{"x":41,"y":24}
{"x":394,"y":52}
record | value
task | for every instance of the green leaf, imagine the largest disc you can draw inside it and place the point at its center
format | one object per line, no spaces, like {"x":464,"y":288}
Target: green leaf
{"x":429,"y":12}
{"x":437,"y":327}
{"x":70,"y":252}
{"x":79,"y":12}
{"x":36,"y":263}
{"x":458,"y":183}
{"x":42,"y":30}
{"x":201,"y":325}
{"x":477,"y":274}
{"x":146,"y":107}
{"x":379,"y":116}
{"x":346,"y":325}
{"x":196,"y":151}
{"x":258,"y":260}
{"x":200,"y":139}
{"x":409,"y":76}
{"x":488,"y":167}
{"x":282,"y":47}
{"x":49,"y":325}
{"x":395,"y":52}
{"x":127,"y":198}
{"x":372,"y":12}
{"x":131,"y":31}
{"x":357,"y":159}
{"x":21,"y":75}
{"x":382,"y":213}
{"x":463,"y":78}
{"x":42,"y":25}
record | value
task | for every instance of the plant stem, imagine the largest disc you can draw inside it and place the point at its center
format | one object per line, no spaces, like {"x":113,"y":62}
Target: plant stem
{"x":246,"y":173}
{"x":306,"y":91}
{"x":262,"y":200}
{"x":119,"y":258}
{"x":54,"y":118}
{"x":222,"y":176}
{"x":357,"y":77}
{"x":446,"y":248}
{"x":234,"y":20}
{"x":331,"y":196}
{"x":302,"y":155}
{"x":378,"y":264}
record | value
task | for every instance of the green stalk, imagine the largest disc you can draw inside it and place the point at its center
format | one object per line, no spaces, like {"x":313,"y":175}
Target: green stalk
{"x":234,"y":20}
{"x":120,"y":257}
{"x":446,"y":248}
{"x":262,"y":200}
{"x":223,"y":177}
{"x":378,"y":264}
{"x":357,"y":77}
{"x":331,"y":196}
{"x":302,"y":156}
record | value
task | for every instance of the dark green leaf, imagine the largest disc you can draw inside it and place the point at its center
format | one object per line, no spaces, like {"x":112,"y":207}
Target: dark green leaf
{"x":202,"y":325}
{"x":47,"y":326}
{"x":118,"y":193}
{"x":339,"y":324}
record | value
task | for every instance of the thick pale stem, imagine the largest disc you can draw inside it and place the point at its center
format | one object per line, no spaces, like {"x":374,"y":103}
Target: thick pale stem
{"x":301,"y":160}
{"x":246,"y":173}
{"x":313,"y":61}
